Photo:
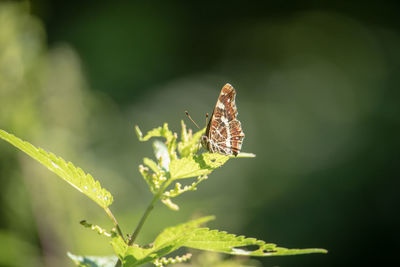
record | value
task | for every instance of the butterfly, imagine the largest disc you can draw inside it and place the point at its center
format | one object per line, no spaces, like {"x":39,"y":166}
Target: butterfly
{"x":224,"y":133}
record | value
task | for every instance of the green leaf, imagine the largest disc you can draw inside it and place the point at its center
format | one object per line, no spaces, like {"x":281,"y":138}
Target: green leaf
{"x":168,"y":241}
{"x":191,"y":235}
{"x":132,"y":255}
{"x":196,"y":165}
{"x":180,"y":232}
{"x":156,"y":132}
{"x":93,"y":261}
{"x":190,"y":143}
{"x":75,"y":176}
{"x":170,"y":138}
{"x":218,"y":241}
{"x":186,"y":168}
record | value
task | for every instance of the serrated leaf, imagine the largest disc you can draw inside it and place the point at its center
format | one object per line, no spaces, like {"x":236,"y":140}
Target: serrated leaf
{"x":171,"y":234}
{"x":186,"y":168}
{"x":132,"y":255}
{"x":218,"y":241}
{"x":156,"y":132}
{"x":190,"y":235}
{"x":196,"y":165}
{"x":93,"y":261}
{"x":75,"y":176}
{"x":169,"y":136}
{"x":169,"y":240}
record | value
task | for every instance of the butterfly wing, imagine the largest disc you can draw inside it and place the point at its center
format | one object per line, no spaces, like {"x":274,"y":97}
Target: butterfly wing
{"x":224,"y":130}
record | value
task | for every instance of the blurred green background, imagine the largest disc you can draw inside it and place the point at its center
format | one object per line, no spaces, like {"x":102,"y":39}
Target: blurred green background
{"x":318,"y":97}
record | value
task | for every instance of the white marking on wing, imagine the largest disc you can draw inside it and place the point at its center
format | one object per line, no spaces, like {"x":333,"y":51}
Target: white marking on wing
{"x":228,"y":132}
{"x":219,"y":133}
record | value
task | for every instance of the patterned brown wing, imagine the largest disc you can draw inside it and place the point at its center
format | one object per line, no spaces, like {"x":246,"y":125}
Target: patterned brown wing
{"x":224,"y":131}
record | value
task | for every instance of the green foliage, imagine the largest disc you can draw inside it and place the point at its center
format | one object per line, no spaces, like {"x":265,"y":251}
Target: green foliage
{"x":170,"y":138}
{"x":169,"y":240}
{"x":174,"y":161}
{"x":196,"y":165}
{"x":182,"y":164}
{"x":189,"y":143}
{"x":217,"y":241}
{"x":191,"y":235}
{"x":75,"y":176}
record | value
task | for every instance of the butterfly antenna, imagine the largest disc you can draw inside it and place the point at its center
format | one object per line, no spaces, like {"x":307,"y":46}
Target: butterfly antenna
{"x":187,"y":114}
{"x":206,"y":118}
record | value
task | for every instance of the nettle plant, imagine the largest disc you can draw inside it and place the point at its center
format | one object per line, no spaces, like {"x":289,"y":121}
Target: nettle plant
{"x":175,"y":161}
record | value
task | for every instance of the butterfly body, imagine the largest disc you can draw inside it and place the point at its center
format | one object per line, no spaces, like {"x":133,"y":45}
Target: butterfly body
{"x":224,"y":133}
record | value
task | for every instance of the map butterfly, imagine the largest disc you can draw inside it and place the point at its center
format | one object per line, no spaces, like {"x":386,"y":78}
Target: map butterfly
{"x":224,"y":133}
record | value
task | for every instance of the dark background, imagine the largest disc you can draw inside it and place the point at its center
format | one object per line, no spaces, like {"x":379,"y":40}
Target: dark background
{"x":318,"y":98}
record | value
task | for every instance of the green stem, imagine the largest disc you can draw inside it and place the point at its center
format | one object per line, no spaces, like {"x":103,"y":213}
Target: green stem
{"x":147,"y":212}
{"x":109,"y":213}
{"x":142,"y":220}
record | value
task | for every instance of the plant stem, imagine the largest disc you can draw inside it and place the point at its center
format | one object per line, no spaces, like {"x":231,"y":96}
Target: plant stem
{"x":109,"y":213}
{"x":142,"y":220}
{"x":147,"y":212}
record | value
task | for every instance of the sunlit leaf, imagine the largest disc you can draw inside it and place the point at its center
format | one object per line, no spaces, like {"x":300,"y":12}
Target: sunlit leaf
{"x":186,"y":168}
{"x":132,"y":255}
{"x":180,"y":232}
{"x":191,"y":235}
{"x":170,"y":138}
{"x":168,"y":241}
{"x":219,"y":241}
{"x":156,"y":132}
{"x":196,"y":165}
{"x":75,"y":176}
